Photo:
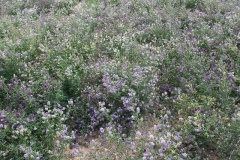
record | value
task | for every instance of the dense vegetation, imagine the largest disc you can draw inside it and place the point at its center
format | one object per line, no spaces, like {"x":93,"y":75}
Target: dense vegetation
{"x":152,"y":79}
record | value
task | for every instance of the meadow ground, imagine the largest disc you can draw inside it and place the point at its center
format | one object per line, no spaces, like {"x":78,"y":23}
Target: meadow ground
{"x":120,"y":79}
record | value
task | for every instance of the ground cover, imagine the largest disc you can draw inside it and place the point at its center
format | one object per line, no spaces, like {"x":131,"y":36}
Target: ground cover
{"x":120,"y":79}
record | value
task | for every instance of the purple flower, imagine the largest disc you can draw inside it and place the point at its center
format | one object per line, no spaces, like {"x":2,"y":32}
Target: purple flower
{"x":138,"y":133}
{"x":155,"y":128}
{"x":146,"y":153}
{"x":18,"y":41}
{"x":175,"y":138}
{"x":163,"y":142}
{"x":151,"y":144}
{"x":166,"y":116}
{"x":21,"y":148}
{"x":30,"y":150}
{"x":26,"y":155}
{"x":161,"y":154}
{"x":202,"y":110}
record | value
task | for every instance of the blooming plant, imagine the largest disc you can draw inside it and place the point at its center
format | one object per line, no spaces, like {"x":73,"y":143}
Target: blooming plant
{"x":111,"y":79}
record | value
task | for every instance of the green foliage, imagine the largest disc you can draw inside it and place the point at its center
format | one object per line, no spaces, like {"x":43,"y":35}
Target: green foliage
{"x":37,"y":139}
{"x":153,"y":79}
{"x":155,"y":36}
{"x":193,"y":4}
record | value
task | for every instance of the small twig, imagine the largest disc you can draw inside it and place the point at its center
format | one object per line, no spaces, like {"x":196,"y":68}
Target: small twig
{"x":6,"y":146}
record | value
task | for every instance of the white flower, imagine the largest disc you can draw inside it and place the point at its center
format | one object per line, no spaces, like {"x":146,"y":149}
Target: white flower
{"x":102,"y":109}
{"x":184,"y":155}
{"x":70,"y":102}
{"x":101,"y":130}
{"x":138,"y":110}
{"x":151,"y":136}
{"x":101,"y":104}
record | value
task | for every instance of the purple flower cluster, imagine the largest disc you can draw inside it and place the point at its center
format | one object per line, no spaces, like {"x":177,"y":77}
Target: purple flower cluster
{"x":110,"y":64}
